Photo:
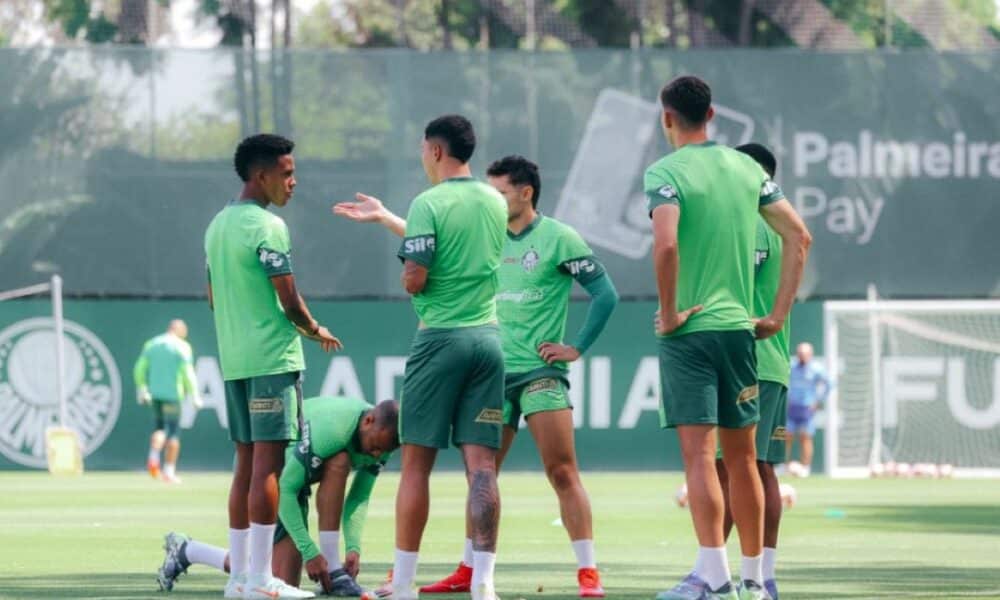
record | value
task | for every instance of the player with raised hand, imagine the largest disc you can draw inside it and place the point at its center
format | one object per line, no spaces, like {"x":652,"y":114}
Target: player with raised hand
{"x":703,"y":200}
{"x":258,"y":316}
{"x":541,"y":259}
{"x":341,"y":435}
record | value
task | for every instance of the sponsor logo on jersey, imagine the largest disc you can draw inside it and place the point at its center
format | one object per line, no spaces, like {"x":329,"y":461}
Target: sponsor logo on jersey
{"x":530,"y":260}
{"x":542,"y":385}
{"x":29,"y":392}
{"x":490,"y":416}
{"x":272,"y":259}
{"x":580,"y":265}
{"x":419,"y":245}
{"x":668,"y":192}
{"x":779,"y":433}
{"x":747,"y":394}
{"x":266,"y":405}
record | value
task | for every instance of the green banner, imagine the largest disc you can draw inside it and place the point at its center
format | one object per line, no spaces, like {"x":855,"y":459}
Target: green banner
{"x":615,"y":388}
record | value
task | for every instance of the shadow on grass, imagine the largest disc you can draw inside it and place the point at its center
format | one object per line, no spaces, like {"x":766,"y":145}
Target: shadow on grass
{"x":974,"y":519}
{"x":521,"y":581}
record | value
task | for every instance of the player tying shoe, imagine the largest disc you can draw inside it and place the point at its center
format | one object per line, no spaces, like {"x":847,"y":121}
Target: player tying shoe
{"x":541,"y":258}
{"x":340,"y":434}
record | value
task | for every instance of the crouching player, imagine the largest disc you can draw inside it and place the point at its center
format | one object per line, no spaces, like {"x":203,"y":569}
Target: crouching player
{"x":340,"y":435}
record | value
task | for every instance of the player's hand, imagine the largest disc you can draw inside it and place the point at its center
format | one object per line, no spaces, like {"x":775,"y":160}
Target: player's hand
{"x":367,"y":209}
{"x":352,"y":564}
{"x":552,"y":352}
{"x":671,"y":322}
{"x":197,"y":402}
{"x":319,"y":571}
{"x":765,"y":327}
{"x":142,"y":396}
{"x":322,"y":335}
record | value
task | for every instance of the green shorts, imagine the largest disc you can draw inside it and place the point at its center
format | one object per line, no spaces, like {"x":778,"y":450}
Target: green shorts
{"x":264,"y":409}
{"x":770,"y":436}
{"x":453,"y":387}
{"x":530,"y":393}
{"x":167,"y":417}
{"x":709,"y":378}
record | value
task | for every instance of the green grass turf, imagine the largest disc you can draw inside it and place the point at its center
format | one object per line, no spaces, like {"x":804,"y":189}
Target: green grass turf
{"x":99,"y":536}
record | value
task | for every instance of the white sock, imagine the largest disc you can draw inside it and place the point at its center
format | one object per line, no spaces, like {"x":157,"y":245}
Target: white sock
{"x":198,"y":553}
{"x":154,"y":456}
{"x":770,"y":556}
{"x":169,"y":469}
{"x":404,"y":570}
{"x":467,"y":553}
{"x":261,"y":549}
{"x":239,"y":552}
{"x":750,"y":568}
{"x":329,"y":543}
{"x":584,"y":550}
{"x":713,"y":566}
{"x":482,"y":568}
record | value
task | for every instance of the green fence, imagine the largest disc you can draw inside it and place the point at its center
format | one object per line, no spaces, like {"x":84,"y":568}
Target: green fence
{"x":615,"y":387}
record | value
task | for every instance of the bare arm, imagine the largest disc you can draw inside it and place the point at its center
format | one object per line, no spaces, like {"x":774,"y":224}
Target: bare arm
{"x":414,"y":277}
{"x":666,"y":264}
{"x":369,"y":209}
{"x":297,"y":312}
{"x":796,"y":240}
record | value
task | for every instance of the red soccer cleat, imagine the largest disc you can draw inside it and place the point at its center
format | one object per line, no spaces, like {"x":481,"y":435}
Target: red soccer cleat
{"x":457,"y":582}
{"x":154,"y":468}
{"x":590,"y":583}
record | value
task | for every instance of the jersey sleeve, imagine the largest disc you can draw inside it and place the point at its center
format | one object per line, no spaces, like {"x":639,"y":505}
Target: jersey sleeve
{"x":420,"y":238}
{"x":293,"y":480}
{"x":770,"y":192}
{"x":189,"y":380}
{"x":661,"y":188}
{"x":575,"y":258}
{"x":356,"y":505}
{"x":141,"y":367}
{"x":274,"y":248}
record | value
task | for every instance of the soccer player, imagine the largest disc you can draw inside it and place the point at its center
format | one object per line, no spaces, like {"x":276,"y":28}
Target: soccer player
{"x":164,"y":375}
{"x":342,"y":434}
{"x":772,"y":377}
{"x":541,"y":258}
{"x":807,"y":393}
{"x":703,"y":201}
{"x":259,"y":315}
{"x":453,"y":385}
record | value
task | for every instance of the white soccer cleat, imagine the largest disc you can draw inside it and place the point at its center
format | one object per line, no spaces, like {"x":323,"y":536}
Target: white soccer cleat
{"x":272,"y":589}
{"x":401,"y":594}
{"x":234,"y":587}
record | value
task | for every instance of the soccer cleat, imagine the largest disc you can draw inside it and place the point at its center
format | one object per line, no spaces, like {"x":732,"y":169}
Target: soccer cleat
{"x":385,"y":589}
{"x":590,"y":583}
{"x":458,"y":582}
{"x":751,"y":590}
{"x":343,"y":585}
{"x":234,"y":587}
{"x":484,"y":592}
{"x":170,"y":478}
{"x":153,"y":466}
{"x":693,"y":587}
{"x":272,"y":588}
{"x":173,"y":561}
{"x":395,"y":594}
{"x":772,"y":588}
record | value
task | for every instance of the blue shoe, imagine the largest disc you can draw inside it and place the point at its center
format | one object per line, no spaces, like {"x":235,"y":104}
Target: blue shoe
{"x":772,"y":588}
{"x":751,"y":590}
{"x":343,"y":585}
{"x":174,"y":563}
{"x":693,"y":587}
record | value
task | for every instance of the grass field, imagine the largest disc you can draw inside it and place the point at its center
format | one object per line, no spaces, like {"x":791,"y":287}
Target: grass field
{"x":99,"y":536}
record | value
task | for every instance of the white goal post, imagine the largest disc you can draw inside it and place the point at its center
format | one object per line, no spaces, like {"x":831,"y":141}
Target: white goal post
{"x":914,"y":382}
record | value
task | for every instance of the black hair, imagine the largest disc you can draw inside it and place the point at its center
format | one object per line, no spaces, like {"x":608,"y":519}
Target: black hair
{"x":763,"y":156}
{"x":263,"y":149}
{"x":520,"y":171}
{"x":690,"y":97}
{"x":457,"y":134}
{"x":386,"y":415}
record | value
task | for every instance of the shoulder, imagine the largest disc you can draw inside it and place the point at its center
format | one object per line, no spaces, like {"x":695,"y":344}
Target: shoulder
{"x":559,"y":230}
{"x":669,"y":164}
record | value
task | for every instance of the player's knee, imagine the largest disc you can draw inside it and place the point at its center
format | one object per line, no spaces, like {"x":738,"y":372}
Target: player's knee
{"x":563,"y":475}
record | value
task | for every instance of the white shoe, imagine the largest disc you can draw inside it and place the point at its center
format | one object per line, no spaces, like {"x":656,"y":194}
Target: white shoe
{"x":272,"y":589}
{"x":484,"y":592}
{"x":401,"y":594}
{"x":234,"y":587}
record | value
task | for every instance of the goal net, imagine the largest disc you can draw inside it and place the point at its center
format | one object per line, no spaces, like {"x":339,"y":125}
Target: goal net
{"x":915,"y":383}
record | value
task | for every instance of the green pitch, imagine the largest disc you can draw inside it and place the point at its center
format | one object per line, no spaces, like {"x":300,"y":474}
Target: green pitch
{"x":99,"y":536}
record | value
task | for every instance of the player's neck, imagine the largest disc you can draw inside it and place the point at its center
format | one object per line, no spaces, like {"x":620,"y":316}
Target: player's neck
{"x":694,"y":136}
{"x":452,"y":169}
{"x":522,"y":221}
{"x":251,"y":193}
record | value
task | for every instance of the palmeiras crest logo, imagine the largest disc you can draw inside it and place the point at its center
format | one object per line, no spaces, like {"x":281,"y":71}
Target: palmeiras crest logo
{"x":530,"y":260}
{"x":28,"y":389}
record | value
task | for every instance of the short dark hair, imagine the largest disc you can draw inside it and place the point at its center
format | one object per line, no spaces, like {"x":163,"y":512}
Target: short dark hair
{"x":387,"y":417}
{"x":690,"y":97}
{"x":520,"y":171}
{"x":263,"y":149}
{"x":457,"y":134}
{"x":763,"y":156}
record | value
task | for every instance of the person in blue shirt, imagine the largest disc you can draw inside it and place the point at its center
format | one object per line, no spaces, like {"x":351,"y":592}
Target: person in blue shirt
{"x":807,"y":390}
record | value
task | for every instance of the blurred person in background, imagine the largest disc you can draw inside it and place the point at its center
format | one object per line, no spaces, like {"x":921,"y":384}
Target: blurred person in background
{"x":807,"y":391}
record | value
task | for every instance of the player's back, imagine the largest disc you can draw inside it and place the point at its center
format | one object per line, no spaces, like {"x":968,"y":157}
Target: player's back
{"x":243,"y":245}
{"x":772,"y":352}
{"x":718,"y":191}
{"x":469,"y":223}
{"x":166,"y":355}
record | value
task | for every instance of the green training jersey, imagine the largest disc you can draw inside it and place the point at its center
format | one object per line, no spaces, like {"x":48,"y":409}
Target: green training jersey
{"x":719,"y":191}
{"x":773,"y":362}
{"x":456,"y":230}
{"x":166,"y":368}
{"x":246,"y":246}
{"x":331,"y":428}
{"x":536,"y":276}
